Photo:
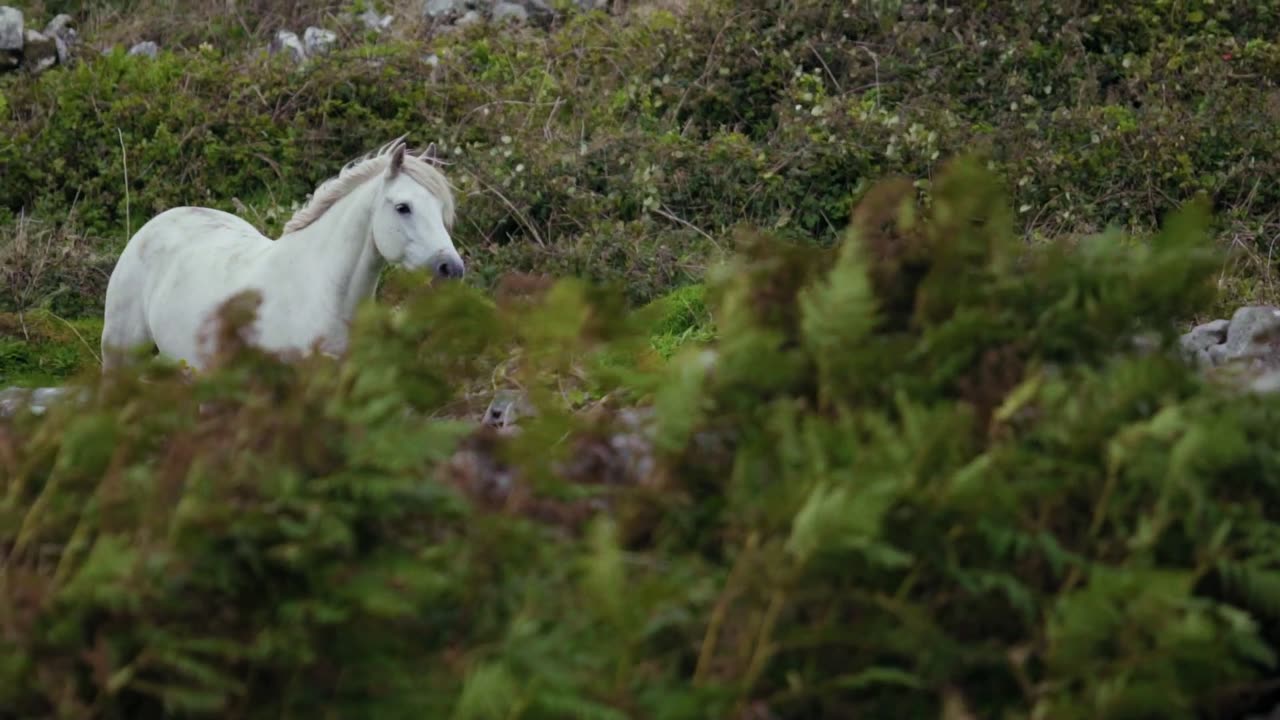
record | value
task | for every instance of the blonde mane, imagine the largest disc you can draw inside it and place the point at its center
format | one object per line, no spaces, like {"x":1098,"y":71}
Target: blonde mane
{"x":361,"y":169}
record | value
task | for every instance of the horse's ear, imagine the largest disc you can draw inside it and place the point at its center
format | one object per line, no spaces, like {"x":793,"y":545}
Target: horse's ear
{"x":430,"y":154}
{"x":397,"y":160}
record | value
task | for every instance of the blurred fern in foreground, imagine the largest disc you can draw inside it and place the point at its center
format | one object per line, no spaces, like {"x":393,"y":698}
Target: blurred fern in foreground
{"x":926,"y":472}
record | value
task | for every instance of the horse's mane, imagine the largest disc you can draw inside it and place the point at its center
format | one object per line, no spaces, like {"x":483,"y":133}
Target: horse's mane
{"x":357,"y":171}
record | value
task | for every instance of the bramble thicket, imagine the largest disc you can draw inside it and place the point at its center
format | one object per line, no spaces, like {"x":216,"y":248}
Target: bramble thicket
{"x":851,"y":331}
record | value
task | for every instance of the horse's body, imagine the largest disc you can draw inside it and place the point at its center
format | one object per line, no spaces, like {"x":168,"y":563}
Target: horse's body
{"x":183,"y":264}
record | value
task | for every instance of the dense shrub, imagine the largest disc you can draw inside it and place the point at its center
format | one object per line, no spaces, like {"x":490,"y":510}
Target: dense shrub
{"x":657,"y":127}
{"x":925,"y":468}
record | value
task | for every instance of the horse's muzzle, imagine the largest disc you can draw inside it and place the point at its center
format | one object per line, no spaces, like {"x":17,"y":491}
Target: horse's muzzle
{"x":448,"y":266}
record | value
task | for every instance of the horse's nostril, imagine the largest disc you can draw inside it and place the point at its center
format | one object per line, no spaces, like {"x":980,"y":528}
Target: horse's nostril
{"x":449,"y":268}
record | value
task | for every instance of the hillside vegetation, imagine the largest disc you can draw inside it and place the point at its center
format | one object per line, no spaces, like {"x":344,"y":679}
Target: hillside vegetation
{"x":850,"y":327}
{"x":627,"y":149}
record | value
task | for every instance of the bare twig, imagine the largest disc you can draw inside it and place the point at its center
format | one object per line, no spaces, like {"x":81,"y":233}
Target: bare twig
{"x":524,"y":220}
{"x":875,"y":59}
{"x":496,"y":103}
{"x":832,"y":75}
{"x":79,"y":337}
{"x":666,"y":213}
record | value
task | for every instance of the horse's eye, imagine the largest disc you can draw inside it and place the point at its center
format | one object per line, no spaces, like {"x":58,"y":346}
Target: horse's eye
{"x":402,"y":208}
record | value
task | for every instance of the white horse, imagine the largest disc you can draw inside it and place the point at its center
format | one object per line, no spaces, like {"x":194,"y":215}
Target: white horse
{"x":182,"y":265}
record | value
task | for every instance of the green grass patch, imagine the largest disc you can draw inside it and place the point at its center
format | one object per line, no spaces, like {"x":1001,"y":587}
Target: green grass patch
{"x":39,"y":349}
{"x":685,"y":319}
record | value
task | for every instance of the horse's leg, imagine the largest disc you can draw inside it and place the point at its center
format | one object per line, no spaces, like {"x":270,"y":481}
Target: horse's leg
{"x":124,"y":324}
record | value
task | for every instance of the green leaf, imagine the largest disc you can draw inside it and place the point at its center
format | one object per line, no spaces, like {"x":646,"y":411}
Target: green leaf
{"x":874,"y":676}
{"x":489,"y":693}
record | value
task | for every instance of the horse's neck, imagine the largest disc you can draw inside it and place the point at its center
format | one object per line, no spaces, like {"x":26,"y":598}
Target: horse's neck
{"x":335,"y":254}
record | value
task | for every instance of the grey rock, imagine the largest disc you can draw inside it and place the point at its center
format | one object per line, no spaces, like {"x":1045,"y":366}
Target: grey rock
{"x":37,"y":400}
{"x":12,"y":399}
{"x":318,"y":41}
{"x":470,"y":18}
{"x":12,"y":29}
{"x":40,"y":53}
{"x":64,"y":36}
{"x":1243,"y":351}
{"x":148,"y":48}
{"x":287,"y":41}
{"x":432,"y":61}
{"x":634,"y":444}
{"x":62,"y":26}
{"x":374,"y":21}
{"x":62,"y":49}
{"x":536,"y":7}
{"x":1195,"y":344}
{"x":589,"y":5}
{"x":1266,"y":383}
{"x":49,"y":395}
{"x":539,"y":11}
{"x":442,"y":9}
{"x":508,"y":11}
{"x":1253,"y":338}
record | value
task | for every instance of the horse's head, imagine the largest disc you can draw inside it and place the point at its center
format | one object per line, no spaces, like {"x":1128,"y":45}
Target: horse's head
{"x":412,"y":215}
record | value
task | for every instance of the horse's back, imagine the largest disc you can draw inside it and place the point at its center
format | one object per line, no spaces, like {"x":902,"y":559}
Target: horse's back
{"x":176,"y":269}
{"x":195,"y":242}
{"x":183,"y":229}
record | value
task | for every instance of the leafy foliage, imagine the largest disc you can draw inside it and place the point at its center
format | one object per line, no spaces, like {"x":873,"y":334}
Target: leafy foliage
{"x":911,"y":466}
{"x":625,"y":149}
{"x":894,"y":481}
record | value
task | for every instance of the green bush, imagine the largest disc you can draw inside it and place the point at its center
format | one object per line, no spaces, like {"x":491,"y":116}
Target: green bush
{"x":657,"y":128}
{"x":900,"y":462}
{"x":925,"y":467}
